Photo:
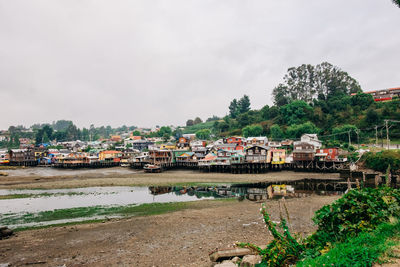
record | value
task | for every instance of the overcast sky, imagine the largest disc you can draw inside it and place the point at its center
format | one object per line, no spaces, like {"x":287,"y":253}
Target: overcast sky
{"x":154,"y":62}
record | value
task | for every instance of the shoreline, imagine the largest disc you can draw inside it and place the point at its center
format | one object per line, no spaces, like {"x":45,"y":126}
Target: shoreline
{"x":119,"y":177}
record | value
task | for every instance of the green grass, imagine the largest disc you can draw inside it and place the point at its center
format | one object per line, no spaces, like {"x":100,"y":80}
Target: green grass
{"x":362,"y":250}
{"x":88,"y":212}
{"x":197,"y":127}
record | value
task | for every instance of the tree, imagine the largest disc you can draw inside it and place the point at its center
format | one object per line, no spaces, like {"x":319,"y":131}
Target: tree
{"x":362,"y":100}
{"x":396,"y":2}
{"x":252,"y":130}
{"x":308,"y":82}
{"x":342,"y":132}
{"x":203,"y":134}
{"x":296,"y":112}
{"x":177,"y":133}
{"x":276,"y":132}
{"x":197,"y":120}
{"x":136,"y":133}
{"x":189,"y":122}
{"x":166,"y":136}
{"x":372,"y":117}
{"x":164,"y":130}
{"x":233,"y":108}
{"x":243,"y":104}
{"x":297,"y":130}
{"x":61,"y":125}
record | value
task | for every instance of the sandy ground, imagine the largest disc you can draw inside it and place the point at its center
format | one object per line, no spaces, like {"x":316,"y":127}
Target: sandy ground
{"x":48,"y":178}
{"x":182,"y":238}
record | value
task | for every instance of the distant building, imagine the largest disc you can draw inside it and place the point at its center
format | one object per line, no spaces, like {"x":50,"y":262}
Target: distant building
{"x":384,"y":94}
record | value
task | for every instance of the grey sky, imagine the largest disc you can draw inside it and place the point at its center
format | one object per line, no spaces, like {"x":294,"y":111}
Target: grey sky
{"x":162,"y":62}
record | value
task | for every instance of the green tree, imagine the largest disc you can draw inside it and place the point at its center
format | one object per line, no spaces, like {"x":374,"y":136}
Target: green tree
{"x":396,"y":2}
{"x":243,"y":104}
{"x":166,"y":136}
{"x":297,"y":130}
{"x":136,"y":133}
{"x":177,"y":133}
{"x":296,"y":112}
{"x":203,"y":134}
{"x":61,"y":125}
{"x":233,"y":108}
{"x":362,"y":100}
{"x":342,"y":132}
{"x":197,"y":120}
{"x":164,"y":130}
{"x":252,"y":130}
{"x":308,"y":82}
{"x":276,"y":132}
{"x":189,"y":122}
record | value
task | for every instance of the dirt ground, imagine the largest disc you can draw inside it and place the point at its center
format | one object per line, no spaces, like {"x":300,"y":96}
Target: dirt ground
{"x":182,"y":238}
{"x":48,"y":178}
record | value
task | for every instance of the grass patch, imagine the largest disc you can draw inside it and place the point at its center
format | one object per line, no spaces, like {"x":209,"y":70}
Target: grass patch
{"x":88,"y":212}
{"x":362,"y":250}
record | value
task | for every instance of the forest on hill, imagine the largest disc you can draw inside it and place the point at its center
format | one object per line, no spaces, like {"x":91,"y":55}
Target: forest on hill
{"x":320,"y":99}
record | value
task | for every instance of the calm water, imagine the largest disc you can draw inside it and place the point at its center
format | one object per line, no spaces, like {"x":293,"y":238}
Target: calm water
{"x":94,"y":196}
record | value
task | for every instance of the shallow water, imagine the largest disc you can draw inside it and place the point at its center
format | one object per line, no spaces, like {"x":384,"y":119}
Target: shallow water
{"x":90,"y":196}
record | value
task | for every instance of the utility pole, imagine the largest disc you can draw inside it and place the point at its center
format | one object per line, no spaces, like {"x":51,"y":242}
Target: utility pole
{"x":358,"y":138}
{"x":387,"y":134}
{"x":376,"y":135}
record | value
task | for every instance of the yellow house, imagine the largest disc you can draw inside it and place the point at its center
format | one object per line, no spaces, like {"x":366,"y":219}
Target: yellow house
{"x":168,"y":146}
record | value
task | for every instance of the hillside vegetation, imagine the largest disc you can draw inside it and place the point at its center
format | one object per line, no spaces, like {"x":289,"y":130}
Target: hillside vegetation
{"x":318,"y":99}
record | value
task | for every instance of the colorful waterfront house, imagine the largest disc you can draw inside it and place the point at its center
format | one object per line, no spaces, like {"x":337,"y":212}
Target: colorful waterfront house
{"x":256,"y":154}
{"x":303,"y":151}
{"x":274,"y":144}
{"x":311,"y":139}
{"x":208,"y":160}
{"x":185,"y":157}
{"x":237,"y":158}
{"x":257,"y":141}
{"x":329,"y":154}
{"x":168,"y":146}
{"x":159,"y":156}
{"x":183,"y":143}
{"x":4,"y":157}
{"x":276,"y":156}
{"x":224,"y":157}
{"x":116,"y":138}
{"x":238,"y":140}
{"x":110,"y":155}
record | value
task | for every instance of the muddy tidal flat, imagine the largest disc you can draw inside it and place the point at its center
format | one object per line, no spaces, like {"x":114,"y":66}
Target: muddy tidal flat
{"x":49,"y":178}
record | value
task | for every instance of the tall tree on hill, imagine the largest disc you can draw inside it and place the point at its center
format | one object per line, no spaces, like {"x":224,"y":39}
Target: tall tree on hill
{"x":244,"y":104}
{"x":233,"y":108}
{"x":189,"y":122}
{"x":197,"y":120}
{"x":240,"y":106}
{"x":308,"y":82}
{"x":397,"y":2}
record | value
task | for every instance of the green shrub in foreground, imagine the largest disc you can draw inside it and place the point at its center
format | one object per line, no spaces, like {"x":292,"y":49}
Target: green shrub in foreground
{"x":363,"y":250}
{"x":360,"y":210}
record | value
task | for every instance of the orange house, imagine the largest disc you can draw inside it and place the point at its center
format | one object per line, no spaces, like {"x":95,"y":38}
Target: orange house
{"x":110,"y":155}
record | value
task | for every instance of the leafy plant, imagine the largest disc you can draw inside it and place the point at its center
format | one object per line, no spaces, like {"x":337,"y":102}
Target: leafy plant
{"x":283,"y":250}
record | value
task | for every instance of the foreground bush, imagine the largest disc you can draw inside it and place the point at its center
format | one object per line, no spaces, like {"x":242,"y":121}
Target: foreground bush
{"x":363,"y":250}
{"x":357,"y":211}
{"x":343,"y":227}
{"x":283,"y":250}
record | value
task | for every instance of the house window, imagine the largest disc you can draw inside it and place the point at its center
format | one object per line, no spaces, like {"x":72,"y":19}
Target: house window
{"x":330,"y":150}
